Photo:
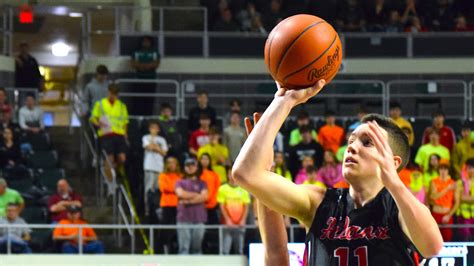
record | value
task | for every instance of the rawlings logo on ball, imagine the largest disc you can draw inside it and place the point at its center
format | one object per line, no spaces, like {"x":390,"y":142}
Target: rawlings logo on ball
{"x":315,"y":74}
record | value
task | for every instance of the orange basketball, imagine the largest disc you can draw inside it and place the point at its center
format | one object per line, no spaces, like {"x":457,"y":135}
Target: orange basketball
{"x":301,"y":50}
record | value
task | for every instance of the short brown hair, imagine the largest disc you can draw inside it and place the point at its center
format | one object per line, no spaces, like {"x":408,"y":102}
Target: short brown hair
{"x":114,"y":89}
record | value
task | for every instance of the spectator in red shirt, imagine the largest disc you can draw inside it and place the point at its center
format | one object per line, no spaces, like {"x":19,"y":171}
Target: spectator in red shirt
{"x":59,"y":202}
{"x":331,"y":136}
{"x":447,"y":138}
{"x":200,"y":136}
{"x":5,"y":107}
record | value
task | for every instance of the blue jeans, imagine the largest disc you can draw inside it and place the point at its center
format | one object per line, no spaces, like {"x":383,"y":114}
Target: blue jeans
{"x":92,"y":247}
{"x":17,"y":245}
{"x":190,"y":239}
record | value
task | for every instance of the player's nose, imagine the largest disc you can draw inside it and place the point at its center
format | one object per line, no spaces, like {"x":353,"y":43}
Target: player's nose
{"x":352,"y":148}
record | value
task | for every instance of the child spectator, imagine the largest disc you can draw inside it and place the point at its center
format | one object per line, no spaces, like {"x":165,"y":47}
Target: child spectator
{"x":302,"y":175}
{"x":447,"y":138}
{"x":312,"y":175}
{"x":200,"y":136}
{"x":235,"y":106}
{"x":422,"y":157}
{"x":301,"y":121}
{"x":444,"y":196}
{"x":19,"y":236}
{"x":169,"y":128}
{"x":463,"y":150}
{"x":330,"y":135}
{"x":431,"y":172}
{"x":155,"y":149}
{"x":465,"y":211}
{"x":192,"y":193}
{"x":280,"y":166}
{"x":213,"y":183}
{"x":234,"y":205}
{"x":218,"y":152}
{"x":7,"y":196}
{"x":307,"y":147}
{"x":331,"y":171}
{"x":234,"y":135}
{"x":61,"y":200}
{"x":226,"y":22}
{"x":31,"y":116}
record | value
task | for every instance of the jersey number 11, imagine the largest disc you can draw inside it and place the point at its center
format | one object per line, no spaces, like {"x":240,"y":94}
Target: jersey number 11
{"x":342,"y":254}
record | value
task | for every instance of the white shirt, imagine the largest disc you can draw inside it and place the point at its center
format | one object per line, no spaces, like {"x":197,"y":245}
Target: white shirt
{"x":153,"y":161}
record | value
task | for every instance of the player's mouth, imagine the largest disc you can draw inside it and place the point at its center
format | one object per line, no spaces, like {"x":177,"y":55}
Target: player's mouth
{"x":350,"y":161}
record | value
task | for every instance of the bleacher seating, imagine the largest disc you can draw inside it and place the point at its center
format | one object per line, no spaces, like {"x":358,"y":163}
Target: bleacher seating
{"x":43,"y":159}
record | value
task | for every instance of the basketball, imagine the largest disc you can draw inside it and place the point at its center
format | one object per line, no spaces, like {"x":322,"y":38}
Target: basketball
{"x":301,"y":50}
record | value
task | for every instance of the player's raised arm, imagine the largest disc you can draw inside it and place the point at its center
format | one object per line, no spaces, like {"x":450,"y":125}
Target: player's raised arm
{"x":255,"y":158}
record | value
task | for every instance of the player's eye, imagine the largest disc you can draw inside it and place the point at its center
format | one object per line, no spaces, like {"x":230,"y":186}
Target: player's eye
{"x":367,"y":142}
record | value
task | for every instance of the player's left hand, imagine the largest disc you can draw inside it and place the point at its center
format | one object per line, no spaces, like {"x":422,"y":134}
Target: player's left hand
{"x":384,"y":156}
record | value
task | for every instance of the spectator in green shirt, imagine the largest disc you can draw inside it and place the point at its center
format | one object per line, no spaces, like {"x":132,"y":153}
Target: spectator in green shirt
{"x":422,"y":157}
{"x":302,"y":120}
{"x":8,"y":196}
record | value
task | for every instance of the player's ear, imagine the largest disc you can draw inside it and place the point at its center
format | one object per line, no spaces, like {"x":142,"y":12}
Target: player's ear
{"x":397,"y":160}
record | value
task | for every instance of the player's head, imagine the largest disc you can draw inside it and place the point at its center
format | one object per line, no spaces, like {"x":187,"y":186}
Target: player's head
{"x":359,"y":158}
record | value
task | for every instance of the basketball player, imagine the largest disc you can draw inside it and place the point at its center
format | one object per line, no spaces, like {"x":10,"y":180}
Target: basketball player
{"x":376,"y":221}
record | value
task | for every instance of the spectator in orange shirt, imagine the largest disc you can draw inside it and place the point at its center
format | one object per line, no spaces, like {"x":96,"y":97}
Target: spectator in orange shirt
{"x":213,"y":183}
{"x":70,"y":235}
{"x":168,"y":202}
{"x":330,"y":135}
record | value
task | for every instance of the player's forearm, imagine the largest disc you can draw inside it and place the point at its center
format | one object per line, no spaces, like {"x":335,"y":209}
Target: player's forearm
{"x":419,"y":223}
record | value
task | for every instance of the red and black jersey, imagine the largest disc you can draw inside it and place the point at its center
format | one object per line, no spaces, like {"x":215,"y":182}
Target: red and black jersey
{"x":342,"y":235}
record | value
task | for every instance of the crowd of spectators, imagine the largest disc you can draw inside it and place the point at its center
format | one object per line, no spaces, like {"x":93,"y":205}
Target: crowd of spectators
{"x":344,"y":15}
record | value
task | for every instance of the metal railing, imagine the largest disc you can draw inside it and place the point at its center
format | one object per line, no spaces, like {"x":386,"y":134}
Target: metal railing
{"x":471,"y":94}
{"x":123,"y":218}
{"x":7,"y":30}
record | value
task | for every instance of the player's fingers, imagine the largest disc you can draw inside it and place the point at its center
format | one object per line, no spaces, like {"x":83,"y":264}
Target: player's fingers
{"x":378,"y":133}
{"x":319,"y":85}
{"x":280,"y":92}
{"x":248,"y":125}
{"x":256,"y":117}
{"x":377,"y":142}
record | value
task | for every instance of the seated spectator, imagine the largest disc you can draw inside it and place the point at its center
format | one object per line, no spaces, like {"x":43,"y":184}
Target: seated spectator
{"x":331,"y":171}
{"x":307,"y":147}
{"x":168,"y":201}
{"x":280,"y":166}
{"x":96,"y":89}
{"x":234,"y":136}
{"x":444,"y":195}
{"x":361,"y":112}
{"x":414,"y":25}
{"x":213,"y":182}
{"x":395,"y":113}
{"x":431,"y":172}
{"x":196,"y":112}
{"x":169,"y":128}
{"x":394,"y":22}
{"x":5,"y":107}
{"x":273,"y":16}
{"x":7,"y":196}
{"x":31,"y":116}
{"x":10,"y":153}
{"x":200,"y":136}
{"x":70,"y":235}
{"x":447,"y":138}
{"x":434,"y":146}
{"x":302,"y":175}
{"x":302,"y":120}
{"x":218,"y":152}
{"x":155,"y":147}
{"x":6,"y":122}
{"x":351,"y":17}
{"x":234,"y":204}
{"x":192,"y":193}
{"x":331,"y":136}
{"x":312,"y":175}
{"x":226,"y":22}
{"x":464,"y":212}
{"x":61,"y":200}
{"x":462,"y":25}
{"x":463,"y":150}
{"x":19,"y":236}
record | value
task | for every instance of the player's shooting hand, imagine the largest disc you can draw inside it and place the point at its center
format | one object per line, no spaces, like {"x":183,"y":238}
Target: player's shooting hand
{"x":302,"y":95}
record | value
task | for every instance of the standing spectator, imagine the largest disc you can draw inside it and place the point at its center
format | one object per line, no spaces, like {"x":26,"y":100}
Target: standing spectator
{"x":416,"y":184}
{"x":331,"y":136}
{"x":5,"y":107}
{"x":273,"y":16}
{"x":235,"y":106}
{"x":7,"y":196}
{"x":110,"y":115}
{"x":70,"y":235}
{"x":394,"y":22}
{"x":441,"y":17}
{"x":432,"y":171}
{"x":226,"y":22}
{"x":200,"y":136}
{"x":302,"y":120}
{"x":202,"y":108}
{"x":433,"y":147}
{"x":10,"y":153}
{"x":168,"y":201}
{"x":27,"y":74}
{"x":234,"y":205}
{"x":155,"y":147}
{"x":302,"y":174}
{"x":246,"y":16}
{"x":361,"y":112}
{"x":312,"y":175}
{"x":212,"y":180}
{"x":463,"y":150}
{"x":444,"y":195}
{"x":145,"y":62}
{"x":61,"y":200}
{"x":218,"y":152}
{"x":396,"y":115}
{"x":308,"y":147}
{"x":447,"y":138}
{"x":376,"y":14}
{"x":280,"y":166}
{"x":169,"y":128}
{"x":31,"y":116}
{"x":464,"y":212}
{"x":192,"y":193}
{"x":96,"y":89}
{"x":19,"y":236}
{"x":351,"y":17}
{"x":234,"y":135}
{"x":331,"y":171}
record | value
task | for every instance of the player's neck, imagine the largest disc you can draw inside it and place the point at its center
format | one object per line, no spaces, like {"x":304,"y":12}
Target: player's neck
{"x":365,"y":191}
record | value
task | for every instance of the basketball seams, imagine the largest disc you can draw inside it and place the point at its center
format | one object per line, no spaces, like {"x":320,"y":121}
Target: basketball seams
{"x":270,"y":41}
{"x":312,"y":62}
{"x":293,"y":42}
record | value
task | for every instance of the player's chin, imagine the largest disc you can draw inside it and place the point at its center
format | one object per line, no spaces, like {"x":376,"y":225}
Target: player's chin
{"x":349,"y":171}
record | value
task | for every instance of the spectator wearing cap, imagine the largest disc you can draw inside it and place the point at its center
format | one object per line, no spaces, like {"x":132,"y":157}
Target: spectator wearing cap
{"x":18,"y":236}
{"x":395,"y":113}
{"x":447,"y":138}
{"x":7,"y":196}
{"x":331,"y":136}
{"x":61,"y":200}
{"x":27,"y":74}
{"x":192,"y":194}
{"x":463,"y":150}
{"x":218,"y":152}
{"x":302,"y":120}
{"x":200,"y":136}
{"x":96,"y":89}
{"x":31,"y":116}
{"x":202,"y":107}
{"x":70,"y":235}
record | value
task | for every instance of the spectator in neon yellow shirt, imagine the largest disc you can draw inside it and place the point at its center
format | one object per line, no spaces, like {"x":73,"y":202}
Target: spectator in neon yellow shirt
{"x":312,"y":174}
{"x":280,"y":166}
{"x":422,"y":157}
{"x":218,"y":152}
{"x":302,"y":120}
